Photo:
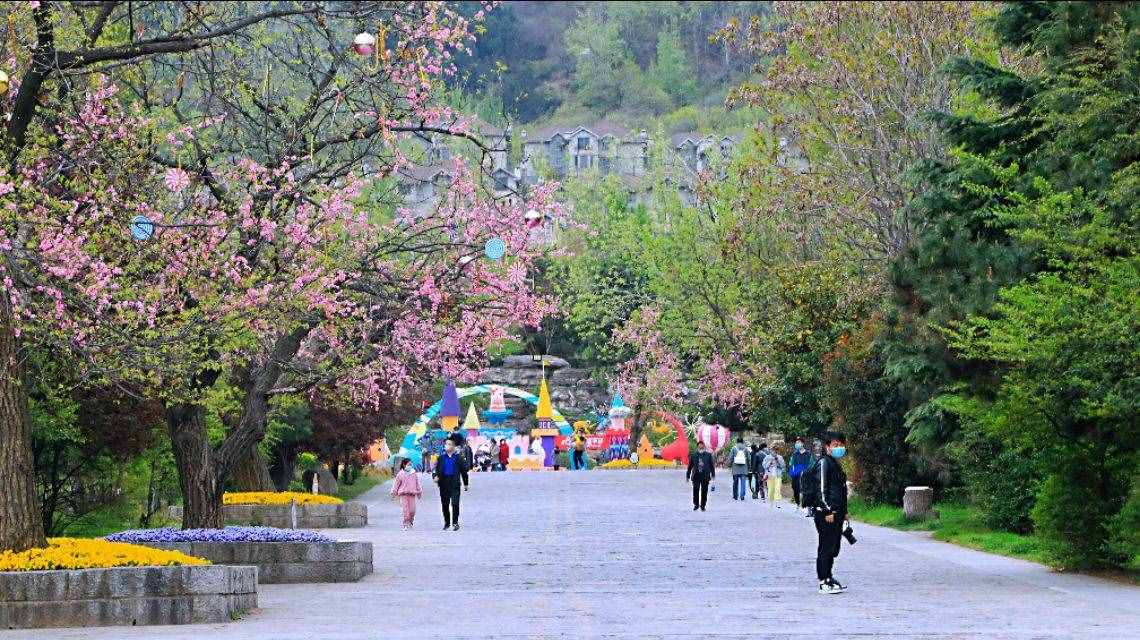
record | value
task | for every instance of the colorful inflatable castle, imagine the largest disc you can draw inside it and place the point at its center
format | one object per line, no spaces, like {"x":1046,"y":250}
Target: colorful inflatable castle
{"x":422,"y":440}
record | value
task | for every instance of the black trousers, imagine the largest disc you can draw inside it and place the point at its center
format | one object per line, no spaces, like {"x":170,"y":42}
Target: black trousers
{"x":830,"y":536}
{"x":700,"y":492}
{"x":449,"y":499}
{"x":579,"y":459}
{"x":796,"y":487}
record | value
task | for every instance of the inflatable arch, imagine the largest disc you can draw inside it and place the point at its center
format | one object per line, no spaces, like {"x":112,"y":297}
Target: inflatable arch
{"x":410,"y":448}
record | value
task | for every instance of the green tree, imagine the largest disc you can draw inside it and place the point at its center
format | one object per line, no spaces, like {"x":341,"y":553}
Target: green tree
{"x":1041,"y":213}
{"x":601,"y":61}
{"x":672,"y":71}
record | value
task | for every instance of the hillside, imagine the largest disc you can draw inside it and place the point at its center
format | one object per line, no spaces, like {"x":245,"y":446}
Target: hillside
{"x":623,"y":62}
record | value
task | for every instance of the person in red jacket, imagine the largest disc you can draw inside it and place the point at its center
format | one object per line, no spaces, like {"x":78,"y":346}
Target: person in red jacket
{"x":504,"y":454}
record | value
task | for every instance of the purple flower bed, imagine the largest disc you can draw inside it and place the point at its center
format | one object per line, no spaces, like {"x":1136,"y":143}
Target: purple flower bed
{"x":227,"y":534}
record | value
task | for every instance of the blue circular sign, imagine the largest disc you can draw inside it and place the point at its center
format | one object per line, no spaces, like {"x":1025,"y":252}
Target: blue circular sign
{"x":141,"y":227}
{"x":495,"y":249}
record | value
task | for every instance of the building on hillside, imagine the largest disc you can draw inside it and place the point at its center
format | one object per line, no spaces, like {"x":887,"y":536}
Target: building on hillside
{"x":598,"y":149}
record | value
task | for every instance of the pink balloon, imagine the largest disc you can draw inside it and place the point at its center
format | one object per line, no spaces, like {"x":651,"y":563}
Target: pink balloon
{"x":713,"y":435}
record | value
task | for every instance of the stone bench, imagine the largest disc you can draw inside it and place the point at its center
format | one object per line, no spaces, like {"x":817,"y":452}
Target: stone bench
{"x":292,"y":516}
{"x":126,"y":596}
{"x":285,"y":562}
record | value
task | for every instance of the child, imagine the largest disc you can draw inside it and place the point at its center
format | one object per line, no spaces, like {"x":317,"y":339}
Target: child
{"x":406,"y":486}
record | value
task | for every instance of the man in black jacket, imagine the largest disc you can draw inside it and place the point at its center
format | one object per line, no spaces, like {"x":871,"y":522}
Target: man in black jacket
{"x":756,"y":471}
{"x":701,"y":470}
{"x":824,"y":492}
{"x":450,"y":470}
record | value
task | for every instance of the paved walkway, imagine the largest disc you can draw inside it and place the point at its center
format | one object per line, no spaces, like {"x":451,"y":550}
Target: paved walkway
{"x":620,"y":554}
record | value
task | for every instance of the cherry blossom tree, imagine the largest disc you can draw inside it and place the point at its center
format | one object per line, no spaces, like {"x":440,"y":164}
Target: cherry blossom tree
{"x":188,"y":222}
{"x":651,"y":378}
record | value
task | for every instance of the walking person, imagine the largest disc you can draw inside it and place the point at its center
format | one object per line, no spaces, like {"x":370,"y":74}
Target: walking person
{"x":800,"y":461}
{"x":756,"y":470}
{"x":468,"y":454}
{"x":753,"y":485}
{"x":701,"y":470}
{"x":579,"y":460}
{"x":406,"y":488}
{"x":450,"y":470}
{"x":774,"y":475}
{"x":504,"y":454}
{"x":425,"y":453}
{"x":483,"y":455}
{"x":824,"y":492}
{"x":739,"y":457}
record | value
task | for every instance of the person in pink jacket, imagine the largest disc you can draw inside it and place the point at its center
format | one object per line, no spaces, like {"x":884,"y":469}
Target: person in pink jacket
{"x":406,"y":486}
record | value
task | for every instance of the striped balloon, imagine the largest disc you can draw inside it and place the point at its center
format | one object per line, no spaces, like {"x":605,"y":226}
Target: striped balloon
{"x":714,"y":436}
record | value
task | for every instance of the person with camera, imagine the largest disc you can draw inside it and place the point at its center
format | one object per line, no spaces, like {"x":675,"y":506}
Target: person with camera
{"x":824,"y":492}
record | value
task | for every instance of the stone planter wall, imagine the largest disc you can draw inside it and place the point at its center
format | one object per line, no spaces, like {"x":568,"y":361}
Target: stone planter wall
{"x":292,"y":516}
{"x":286,"y":562}
{"x":125,"y":596}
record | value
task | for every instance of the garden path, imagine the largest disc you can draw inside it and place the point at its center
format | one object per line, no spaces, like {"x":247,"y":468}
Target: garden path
{"x":620,"y":554}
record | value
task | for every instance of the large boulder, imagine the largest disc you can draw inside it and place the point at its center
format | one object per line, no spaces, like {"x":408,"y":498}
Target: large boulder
{"x":529,"y":362}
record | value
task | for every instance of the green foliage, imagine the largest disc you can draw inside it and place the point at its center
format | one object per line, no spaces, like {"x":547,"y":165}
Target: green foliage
{"x":644,"y":59}
{"x":869,"y":409}
{"x":1038,"y":217}
{"x":600,"y":63}
{"x":1003,"y":482}
{"x":672,"y":71}
{"x":307,"y":461}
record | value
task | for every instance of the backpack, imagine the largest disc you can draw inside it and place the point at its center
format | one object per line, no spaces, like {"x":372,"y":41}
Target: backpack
{"x":810,"y":495}
{"x":741,"y":457}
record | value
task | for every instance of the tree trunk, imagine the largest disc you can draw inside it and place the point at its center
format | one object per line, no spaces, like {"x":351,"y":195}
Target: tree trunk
{"x":635,"y":431}
{"x":252,"y":473}
{"x":21,"y":520}
{"x":197,"y":473}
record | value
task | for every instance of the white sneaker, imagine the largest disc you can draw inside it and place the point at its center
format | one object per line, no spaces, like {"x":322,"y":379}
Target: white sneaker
{"x":829,"y":588}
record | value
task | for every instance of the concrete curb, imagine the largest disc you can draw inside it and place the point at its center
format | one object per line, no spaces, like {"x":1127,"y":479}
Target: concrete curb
{"x":126,"y":596}
{"x":292,"y":515}
{"x":285,"y":562}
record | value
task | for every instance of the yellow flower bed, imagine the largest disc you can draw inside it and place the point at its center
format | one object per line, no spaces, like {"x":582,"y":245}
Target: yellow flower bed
{"x":93,"y":553}
{"x":651,"y":463}
{"x":278,"y":497}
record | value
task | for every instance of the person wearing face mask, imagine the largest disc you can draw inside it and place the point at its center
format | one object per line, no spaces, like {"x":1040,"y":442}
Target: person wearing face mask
{"x":800,"y":461}
{"x":701,"y":470}
{"x":450,"y":470}
{"x":824,"y":493}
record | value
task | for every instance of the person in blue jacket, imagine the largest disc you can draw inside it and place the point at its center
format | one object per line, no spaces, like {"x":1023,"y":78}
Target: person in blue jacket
{"x":800,"y":461}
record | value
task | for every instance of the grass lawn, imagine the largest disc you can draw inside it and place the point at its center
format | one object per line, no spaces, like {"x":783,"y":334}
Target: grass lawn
{"x":957,"y":523}
{"x":363,"y":483}
{"x":112,"y":519}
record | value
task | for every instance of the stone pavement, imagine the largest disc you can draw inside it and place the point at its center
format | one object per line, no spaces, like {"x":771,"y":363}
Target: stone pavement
{"x":621,"y":554}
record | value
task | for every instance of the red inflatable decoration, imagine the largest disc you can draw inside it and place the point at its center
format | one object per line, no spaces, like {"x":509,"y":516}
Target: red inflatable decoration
{"x":678,"y":449}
